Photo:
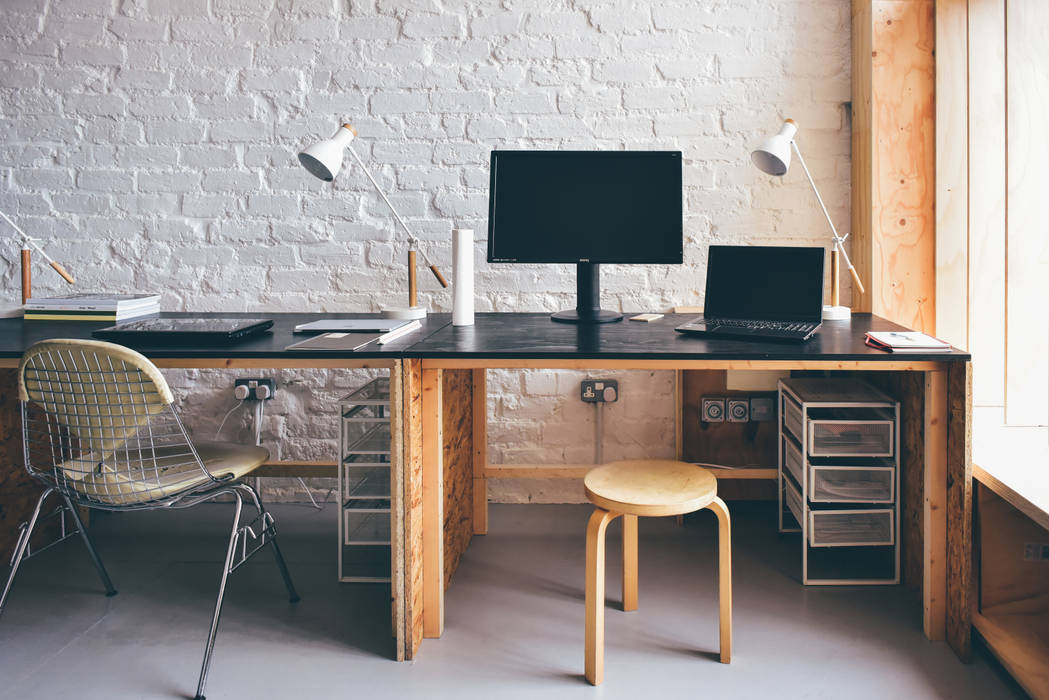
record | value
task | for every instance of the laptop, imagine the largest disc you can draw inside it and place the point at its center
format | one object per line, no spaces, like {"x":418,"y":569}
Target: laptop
{"x":183,"y":331}
{"x":761,"y":293}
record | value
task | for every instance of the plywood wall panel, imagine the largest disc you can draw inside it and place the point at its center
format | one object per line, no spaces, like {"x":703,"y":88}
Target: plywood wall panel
{"x":986,"y":143}
{"x":1027,"y":235}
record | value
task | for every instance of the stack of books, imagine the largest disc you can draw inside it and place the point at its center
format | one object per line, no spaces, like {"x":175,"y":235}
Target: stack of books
{"x":905,"y":341}
{"x":92,"y":307}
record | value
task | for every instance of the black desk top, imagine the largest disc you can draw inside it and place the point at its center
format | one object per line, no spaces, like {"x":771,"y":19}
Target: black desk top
{"x":506,"y":336}
{"x":534,"y":336}
{"x":17,"y":334}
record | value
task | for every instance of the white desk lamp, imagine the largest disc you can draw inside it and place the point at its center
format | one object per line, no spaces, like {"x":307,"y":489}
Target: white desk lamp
{"x":29,"y":243}
{"x":773,"y":157}
{"x":324,"y":160}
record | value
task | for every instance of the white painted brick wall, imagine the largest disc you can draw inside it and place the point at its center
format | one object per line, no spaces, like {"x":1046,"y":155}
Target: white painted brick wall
{"x":151,"y":143}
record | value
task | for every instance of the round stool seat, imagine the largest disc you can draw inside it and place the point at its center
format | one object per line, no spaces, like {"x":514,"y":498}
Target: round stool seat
{"x":650,"y":487}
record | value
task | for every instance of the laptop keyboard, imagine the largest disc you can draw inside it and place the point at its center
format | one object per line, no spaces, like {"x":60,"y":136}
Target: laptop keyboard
{"x":794,"y":326}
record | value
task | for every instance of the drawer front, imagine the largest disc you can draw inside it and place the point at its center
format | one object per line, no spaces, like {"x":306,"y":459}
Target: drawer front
{"x":845,"y":484}
{"x":792,"y":497}
{"x":792,"y":461}
{"x":366,"y":527}
{"x":851,"y":438}
{"x":851,"y":528}
{"x":793,"y":418}
{"x":365,"y":482}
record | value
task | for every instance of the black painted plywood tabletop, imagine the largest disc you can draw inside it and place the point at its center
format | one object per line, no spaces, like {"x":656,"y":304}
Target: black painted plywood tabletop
{"x":536,"y":336}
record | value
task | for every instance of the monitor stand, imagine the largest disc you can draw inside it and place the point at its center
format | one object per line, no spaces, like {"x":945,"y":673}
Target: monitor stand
{"x":588,"y":299}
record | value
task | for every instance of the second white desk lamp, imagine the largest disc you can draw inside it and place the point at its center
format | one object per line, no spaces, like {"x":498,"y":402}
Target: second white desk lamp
{"x":773,"y":157}
{"x":324,"y":160}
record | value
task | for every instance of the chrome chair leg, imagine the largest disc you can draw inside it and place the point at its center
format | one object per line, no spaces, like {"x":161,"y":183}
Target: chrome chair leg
{"x":95,"y":559}
{"x":222,"y":593}
{"x":293,"y":595}
{"x":23,"y":542}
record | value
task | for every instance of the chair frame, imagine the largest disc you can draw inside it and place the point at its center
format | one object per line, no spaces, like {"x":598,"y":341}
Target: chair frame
{"x":139,"y":461}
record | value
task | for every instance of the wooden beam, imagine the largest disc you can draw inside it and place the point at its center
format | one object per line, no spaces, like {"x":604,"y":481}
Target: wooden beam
{"x":480,"y":446}
{"x":412,"y":504}
{"x":398,"y":568}
{"x":862,"y":150}
{"x":934,"y":512}
{"x":433,"y":504}
{"x":457,"y":466}
{"x":878,"y":365}
{"x":578,"y":471}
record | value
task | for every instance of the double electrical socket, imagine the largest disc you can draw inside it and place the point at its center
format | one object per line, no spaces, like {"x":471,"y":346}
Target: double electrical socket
{"x":254,"y":389}
{"x":736,"y":409}
{"x":599,"y":390}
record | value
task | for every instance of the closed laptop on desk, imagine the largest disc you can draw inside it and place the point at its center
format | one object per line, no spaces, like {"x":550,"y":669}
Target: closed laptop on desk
{"x":761,"y":293}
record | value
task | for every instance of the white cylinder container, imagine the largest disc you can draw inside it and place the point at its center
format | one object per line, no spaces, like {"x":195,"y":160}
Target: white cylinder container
{"x":462,"y":277}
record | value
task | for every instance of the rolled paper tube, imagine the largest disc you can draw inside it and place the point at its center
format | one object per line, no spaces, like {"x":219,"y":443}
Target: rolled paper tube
{"x":463,"y":277}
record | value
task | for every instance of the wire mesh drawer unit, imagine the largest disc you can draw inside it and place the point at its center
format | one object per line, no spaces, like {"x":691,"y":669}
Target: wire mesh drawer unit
{"x":364,"y":484}
{"x":839,"y":479}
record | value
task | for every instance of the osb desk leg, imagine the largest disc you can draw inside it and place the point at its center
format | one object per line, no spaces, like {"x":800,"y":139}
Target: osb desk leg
{"x":959,"y":510}
{"x":433,"y":503}
{"x":934,"y":510}
{"x":480,"y":447}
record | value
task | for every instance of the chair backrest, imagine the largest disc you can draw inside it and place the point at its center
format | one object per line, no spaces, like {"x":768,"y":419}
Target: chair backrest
{"x":98,"y":424}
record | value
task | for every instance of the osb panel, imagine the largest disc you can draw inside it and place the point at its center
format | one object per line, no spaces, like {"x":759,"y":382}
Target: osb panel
{"x":457,"y":425}
{"x":959,"y":509}
{"x":397,"y":510}
{"x":750,"y":444}
{"x":412,"y":483}
{"x":909,"y":389}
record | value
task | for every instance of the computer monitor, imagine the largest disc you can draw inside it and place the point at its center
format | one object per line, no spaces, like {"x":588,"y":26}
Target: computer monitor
{"x":587,"y":208}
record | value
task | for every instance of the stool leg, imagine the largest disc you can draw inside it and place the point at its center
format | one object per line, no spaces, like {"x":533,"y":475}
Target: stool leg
{"x":724,"y":577}
{"x":629,"y":562}
{"x":595,"y":595}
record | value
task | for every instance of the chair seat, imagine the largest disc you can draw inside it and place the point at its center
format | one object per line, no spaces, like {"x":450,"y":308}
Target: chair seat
{"x":172,"y":471}
{"x":650,"y":487}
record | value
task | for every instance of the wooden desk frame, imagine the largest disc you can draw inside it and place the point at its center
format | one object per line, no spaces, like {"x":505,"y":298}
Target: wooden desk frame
{"x":939,"y":392}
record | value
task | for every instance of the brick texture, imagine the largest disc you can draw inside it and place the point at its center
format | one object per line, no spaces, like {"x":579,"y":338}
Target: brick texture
{"x":152,"y":145}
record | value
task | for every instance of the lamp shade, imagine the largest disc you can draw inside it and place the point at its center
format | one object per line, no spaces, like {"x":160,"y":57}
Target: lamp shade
{"x":773,"y":155}
{"x":324,"y":159}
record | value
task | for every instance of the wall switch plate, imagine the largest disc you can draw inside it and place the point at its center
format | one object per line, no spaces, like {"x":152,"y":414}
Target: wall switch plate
{"x":737,"y":410}
{"x":762,"y":408}
{"x":254,"y":388}
{"x":712,"y":409}
{"x":599,"y":390}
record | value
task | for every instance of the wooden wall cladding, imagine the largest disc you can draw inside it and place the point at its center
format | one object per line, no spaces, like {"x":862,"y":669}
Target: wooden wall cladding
{"x":457,"y":423}
{"x":894,"y":159}
{"x":412,"y":485}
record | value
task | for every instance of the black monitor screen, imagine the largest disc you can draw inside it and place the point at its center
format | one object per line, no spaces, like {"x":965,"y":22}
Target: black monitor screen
{"x":764,"y":282}
{"x":585,"y":206}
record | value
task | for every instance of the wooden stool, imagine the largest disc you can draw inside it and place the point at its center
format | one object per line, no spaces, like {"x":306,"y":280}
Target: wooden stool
{"x":646,"y":487}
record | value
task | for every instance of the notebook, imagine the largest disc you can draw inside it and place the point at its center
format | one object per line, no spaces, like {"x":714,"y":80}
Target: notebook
{"x":351,"y":325}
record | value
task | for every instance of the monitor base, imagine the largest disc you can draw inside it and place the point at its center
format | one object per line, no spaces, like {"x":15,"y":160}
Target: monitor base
{"x":600,"y":316}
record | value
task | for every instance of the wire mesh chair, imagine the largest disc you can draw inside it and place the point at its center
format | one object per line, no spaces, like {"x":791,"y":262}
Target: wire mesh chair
{"x":99,"y":431}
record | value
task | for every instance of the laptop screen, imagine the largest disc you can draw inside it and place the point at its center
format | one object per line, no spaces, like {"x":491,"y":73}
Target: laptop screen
{"x":771,"y":283}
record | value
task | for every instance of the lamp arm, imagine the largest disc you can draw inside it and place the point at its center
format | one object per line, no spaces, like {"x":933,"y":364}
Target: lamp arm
{"x":412,"y":240}
{"x":27,"y":241}
{"x":837,"y":239}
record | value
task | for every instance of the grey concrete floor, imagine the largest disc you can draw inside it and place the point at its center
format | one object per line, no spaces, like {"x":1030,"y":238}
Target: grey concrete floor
{"x":514,"y":619}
